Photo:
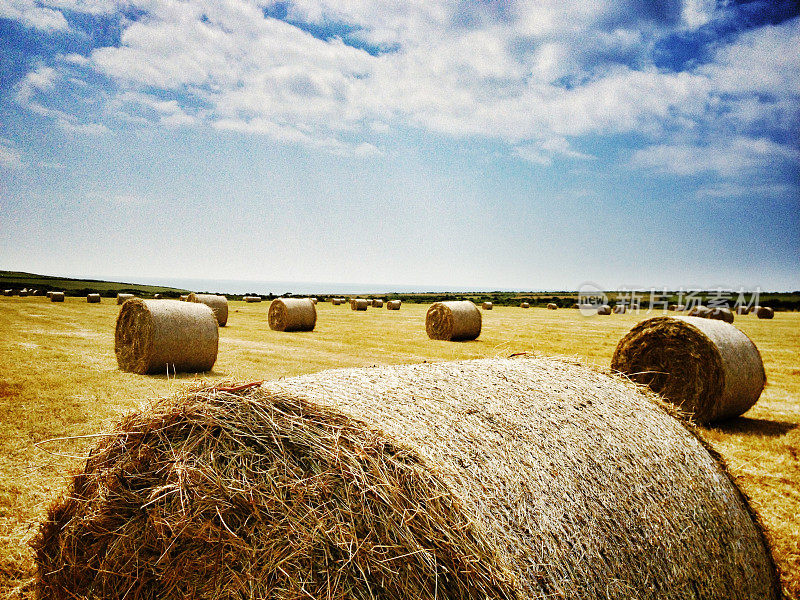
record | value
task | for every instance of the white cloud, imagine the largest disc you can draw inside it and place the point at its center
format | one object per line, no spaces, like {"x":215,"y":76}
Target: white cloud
{"x":543,"y":152}
{"x":31,"y":14}
{"x":728,"y":189}
{"x":10,"y":158}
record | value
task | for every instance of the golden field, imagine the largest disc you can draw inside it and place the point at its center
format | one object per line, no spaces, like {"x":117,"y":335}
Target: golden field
{"x":59,"y":379}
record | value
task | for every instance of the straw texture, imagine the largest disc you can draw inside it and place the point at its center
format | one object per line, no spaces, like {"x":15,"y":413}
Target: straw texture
{"x":455,"y":321}
{"x":525,"y":479}
{"x":708,"y":368}
{"x":217,"y":304}
{"x":359,"y":304}
{"x":393,"y":305}
{"x":292,"y":314}
{"x":765,"y":312}
{"x":121,"y":298}
{"x":93,"y":298}
{"x":157,"y":336}
{"x":56,"y":296}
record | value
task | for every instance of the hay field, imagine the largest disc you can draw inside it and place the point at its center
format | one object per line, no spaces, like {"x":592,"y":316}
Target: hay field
{"x":59,"y":378}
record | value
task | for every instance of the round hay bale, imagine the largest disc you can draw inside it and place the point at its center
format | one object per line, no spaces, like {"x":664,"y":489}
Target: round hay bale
{"x":765,"y":312}
{"x":184,"y":297}
{"x":487,"y":306}
{"x":157,"y":336}
{"x":680,"y":307}
{"x":23,"y":293}
{"x":158,"y":297}
{"x":501,"y":478}
{"x":619,"y":309}
{"x":720,"y":313}
{"x":700,"y":311}
{"x":292,"y":314}
{"x":672,"y":307}
{"x":552,"y":306}
{"x":525,"y":305}
{"x":359,"y":304}
{"x":743,"y":310}
{"x":252,"y":298}
{"x":605,"y":309}
{"x":48,"y":294}
{"x":8,"y":292}
{"x":377,"y":303}
{"x":393,"y":305}
{"x":707,"y":368}
{"x":336,"y":301}
{"x":217,"y":304}
{"x":121,"y":298}
{"x":93,"y":298}
{"x":455,"y":321}
{"x":57,"y":297}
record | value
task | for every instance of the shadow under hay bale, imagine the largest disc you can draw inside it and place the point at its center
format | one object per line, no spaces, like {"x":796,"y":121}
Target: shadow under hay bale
{"x":161,"y":336}
{"x":217,"y":304}
{"x":524,"y":479}
{"x":292,"y":314}
{"x":708,"y":368}
{"x":455,"y":321}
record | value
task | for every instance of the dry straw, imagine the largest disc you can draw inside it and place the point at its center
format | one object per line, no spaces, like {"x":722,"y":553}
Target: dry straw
{"x":57,"y":297}
{"x":552,"y":306}
{"x":393,"y":305}
{"x":359,"y":303}
{"x":505,"y":479}
{"x":217,"y":304}
{"x":93,"y":298}
{"x":765,"y":312}
{"x":292,"y":314}
{"x":377,"y":303}
{"x":184,"y":297}
{"x":487,"y":306}
{"x":700,"y":311}
{"x":454,"y":321}
{"x":525,"y":305}
{"x":121,"y":298}
{"x":605,"y":309}
{"x":157,"y":336}
{"x":252,"y":298}
{"x":743,"y":310}
{"x":708,"y":368}
{"x":720,"y":314}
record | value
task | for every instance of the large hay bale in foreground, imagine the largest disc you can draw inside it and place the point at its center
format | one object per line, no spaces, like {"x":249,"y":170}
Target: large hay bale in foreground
{"x":454,"y":321}
{"x":217,"y":304}
{"x":393,"y":305}
{"x":359,"y":304}
{"x":252,"y":298}
{"x":765,"y":312}
{"x":708,"y":368}
{"x":57,"y":296}
{"x":93,"y":298}
{"x":502,"y":479}
{"x":157,"y":336}
{"x":122,"y":298}
{"x":292,"y":314}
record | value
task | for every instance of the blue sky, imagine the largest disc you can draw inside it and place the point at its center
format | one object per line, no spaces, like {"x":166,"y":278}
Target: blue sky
{"x":533,"y":145}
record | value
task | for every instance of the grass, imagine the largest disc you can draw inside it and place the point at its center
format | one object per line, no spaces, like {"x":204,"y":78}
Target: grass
{"x":59,"y":378}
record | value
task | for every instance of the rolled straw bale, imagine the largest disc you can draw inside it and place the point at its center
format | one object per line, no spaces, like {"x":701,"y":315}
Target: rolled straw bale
{"x":157,"y":336}
{"x":700,"y":311}
{"x":720,"y":313}
{"x":605,"y":309}
{"x":184,"y":297}
{"x":487,"y":306}
{"x":158,"y":297}
{"x":217,"y":304}
{"x":707,"y":368}
{"x":121,"y":298}
{"x":57,"y":297}
{"x":377,"y":303}
{"x":252,"y":298}
{"x":743,"y":310}
{"x":23,"y":293}
{"x":680,"y":307}
{"x":552,"y":306}
{"x":393,"y":305}
{"x":93,"y":298}
{"x":35,"y":293}
{"x":314,"y":300}
{"x":672,"y":307}
{"x":292,"y":314}
{"x":501,"y":478}
{"x":336,"y":301}
{"x":8,"y":292}
{"x":619,"y":309}
{"x":359,"y":304}
{"x":525,"y":305}
{"x":48,"y":294}
{"x":765,"y":312}
{"x":455,"y":321}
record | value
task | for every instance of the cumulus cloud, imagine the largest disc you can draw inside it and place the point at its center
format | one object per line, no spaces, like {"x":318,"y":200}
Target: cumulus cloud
{"x":31,"y":14}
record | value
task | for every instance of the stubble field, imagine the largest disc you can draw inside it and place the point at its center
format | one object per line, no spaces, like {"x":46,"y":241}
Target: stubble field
{"x":59,"y":379}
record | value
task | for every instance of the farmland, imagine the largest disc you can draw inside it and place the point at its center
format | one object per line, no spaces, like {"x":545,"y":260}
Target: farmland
{"x":59,"y":379}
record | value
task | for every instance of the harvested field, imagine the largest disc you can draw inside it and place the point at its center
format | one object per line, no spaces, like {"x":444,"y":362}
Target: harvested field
{"x":59,"y":378}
